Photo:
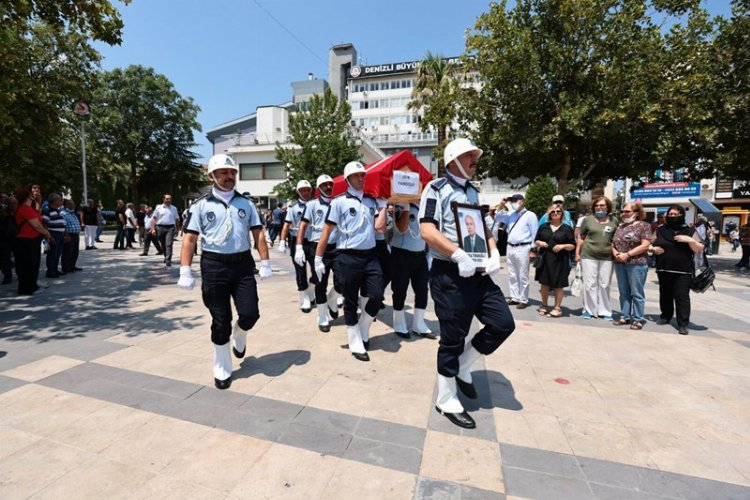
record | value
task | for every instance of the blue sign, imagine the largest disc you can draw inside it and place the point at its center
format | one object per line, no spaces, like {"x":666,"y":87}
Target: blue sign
{"x":668,"y":190}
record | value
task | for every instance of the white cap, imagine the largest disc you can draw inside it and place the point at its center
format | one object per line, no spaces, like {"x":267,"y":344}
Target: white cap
{"x":353,"y":167}
{"x":221,"y":161}
{"x":457,"y":147}
{"x":323,"y":179}
{"x":558,"y":197}
{"x":303,"y":184}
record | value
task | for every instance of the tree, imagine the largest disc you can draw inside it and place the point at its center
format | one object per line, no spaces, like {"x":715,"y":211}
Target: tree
{"x":47,"y":63}
{"x":571,"y":88}
{"x":435,"y":94}
{"x":539,"y":192}
{"x":323,"y":142}
{"x":144,"y":125}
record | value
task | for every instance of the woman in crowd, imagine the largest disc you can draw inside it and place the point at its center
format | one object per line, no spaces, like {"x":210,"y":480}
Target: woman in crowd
{"x":594,"y":251}
{"x":630,"y":246}
{"x":26,"y":248}
{"x":675,"y":245}
{"x":554,"y":241}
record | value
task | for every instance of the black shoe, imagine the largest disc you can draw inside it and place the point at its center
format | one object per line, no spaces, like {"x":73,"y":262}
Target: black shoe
{"x":402,"y":334}
{"x":305,"y":309}
{"x":512,"y":302}
{"x":95,"y":248}
{"x":53,"y":274}
{"x":662,"y":321}
{"x":467,"y":388}
{"x":168,"y":263}
{"x":522,"y":305}
{"x":333,"y":313}
{"x":460,"y":419}
{"x":361,"y":357}
{"x":75,"y":269}
{"x":142,"y":254}
{"x":324,"y":328}
{"x":683,"y":330}
{"x":98,"y":241}
{"x":88,"y":248}
{"x":238,"y":354}
{"x":430,"y":336}
{"x":159,"y":253}
{"x":223,"y":384}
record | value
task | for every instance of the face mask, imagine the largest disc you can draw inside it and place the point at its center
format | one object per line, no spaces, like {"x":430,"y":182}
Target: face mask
{"x":600,"y":214}
{"x":628,"y":220}
{"x":676,"y":221}
{"x":515,"y":206}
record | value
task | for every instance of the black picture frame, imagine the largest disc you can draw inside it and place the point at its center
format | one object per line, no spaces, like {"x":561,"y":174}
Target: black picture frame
{"x":460,"y":212}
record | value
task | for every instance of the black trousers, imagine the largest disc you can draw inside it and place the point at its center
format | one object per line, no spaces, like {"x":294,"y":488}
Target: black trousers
{"x":745,"y":259}
{"x":28,"y":257}
{"x":359,"y":270}
{"x":148,"y":239}
{"x":674,"y":296}
{"x":457,"y":301}
{"x":166,"y":239}
{"x":130,"y":237}
{"x":119,"y":238}
{"x":300,"y":272}
{"x":70,"y":253}
{"x":5,"y":265}
{"x":384,"y":258}
{"x":225,"y":280}
{"x":408,"y":266}
{"x":321,"y":286}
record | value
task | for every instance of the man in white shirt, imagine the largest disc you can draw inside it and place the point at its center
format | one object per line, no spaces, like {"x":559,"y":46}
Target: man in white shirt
{"x":522,"y":226}
{"x":150,"y":235}
{"x":130,"y":224}
{"x":166,"y":220}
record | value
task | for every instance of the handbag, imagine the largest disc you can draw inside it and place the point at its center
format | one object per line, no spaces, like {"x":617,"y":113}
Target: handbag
{"x":577,"y":286}
{"x":705,"y":279}
{"x":538,"y":260}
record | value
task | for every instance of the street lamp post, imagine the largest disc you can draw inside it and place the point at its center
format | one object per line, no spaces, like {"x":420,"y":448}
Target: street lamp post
{"x":82,"y":109}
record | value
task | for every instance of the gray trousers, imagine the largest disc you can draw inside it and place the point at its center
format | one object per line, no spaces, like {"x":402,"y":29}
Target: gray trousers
{"x":166,"y":238}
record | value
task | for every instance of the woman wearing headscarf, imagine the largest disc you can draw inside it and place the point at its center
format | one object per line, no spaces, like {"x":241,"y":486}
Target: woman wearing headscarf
{"x":675,"y":245}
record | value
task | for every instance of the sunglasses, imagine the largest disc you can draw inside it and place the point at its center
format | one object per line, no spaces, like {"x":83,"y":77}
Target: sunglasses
{"x":555,"y":211}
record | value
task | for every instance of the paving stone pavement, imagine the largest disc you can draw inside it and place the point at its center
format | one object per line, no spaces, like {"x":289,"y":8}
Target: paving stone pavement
{"x":106,"y":392}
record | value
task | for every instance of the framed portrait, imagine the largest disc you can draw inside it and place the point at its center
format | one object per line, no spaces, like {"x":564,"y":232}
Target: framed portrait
{"x":471,"y":232}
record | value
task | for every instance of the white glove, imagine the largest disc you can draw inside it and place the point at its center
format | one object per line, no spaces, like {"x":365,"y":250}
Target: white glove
{"x":282,"y":247}
{"x":320,"y":267}
{"x":186,"y":280}
{"x":265,"y":269}
{"x":299,"y":256}
{"x":466,"y":266}
{"x":492,"y":263}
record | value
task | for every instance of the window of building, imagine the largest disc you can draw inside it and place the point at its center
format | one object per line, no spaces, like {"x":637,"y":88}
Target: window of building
{"x":275,"y":171}
{"x":261,"y":171}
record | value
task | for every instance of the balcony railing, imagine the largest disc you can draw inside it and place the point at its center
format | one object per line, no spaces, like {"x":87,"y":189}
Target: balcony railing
{"x":404,"y":137}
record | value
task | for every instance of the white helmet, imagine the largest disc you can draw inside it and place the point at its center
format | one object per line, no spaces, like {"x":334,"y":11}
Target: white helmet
{"x":221,"y":161}
{"x":353,"y":167}
{"x":323,"y":179}
{"x":457,"y":147}
{"x":303,"y":184}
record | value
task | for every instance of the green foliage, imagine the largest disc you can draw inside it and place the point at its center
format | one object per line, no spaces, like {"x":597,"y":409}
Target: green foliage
{"x":435,"y":94}
{"x":47,"y":63}
{"x":323,"y":142}
{"x":575,"y":88}
{"x":539,"y":193}
{"x":142,"y":131}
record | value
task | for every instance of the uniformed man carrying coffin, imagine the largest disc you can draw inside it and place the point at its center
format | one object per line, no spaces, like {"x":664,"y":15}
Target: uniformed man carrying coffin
{"x":353,"y":214}
{"x":289,"y":240}
{"x":224,"y":219}
{"x":460,"y":293}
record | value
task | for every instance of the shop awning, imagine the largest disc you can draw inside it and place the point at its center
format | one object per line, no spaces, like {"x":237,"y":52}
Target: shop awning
{"x":705,"y":206}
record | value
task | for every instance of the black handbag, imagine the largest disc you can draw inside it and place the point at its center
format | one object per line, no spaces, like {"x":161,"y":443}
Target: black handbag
{"x":705,"y":279}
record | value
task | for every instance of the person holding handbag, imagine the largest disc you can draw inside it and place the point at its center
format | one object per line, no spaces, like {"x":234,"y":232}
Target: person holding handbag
{"x":555,"y":241}
{"x":629,"y":245}
{"x":674,"y":246}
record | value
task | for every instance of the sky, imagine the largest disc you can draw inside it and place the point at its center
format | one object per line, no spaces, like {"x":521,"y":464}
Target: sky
{"x":230,"y":56}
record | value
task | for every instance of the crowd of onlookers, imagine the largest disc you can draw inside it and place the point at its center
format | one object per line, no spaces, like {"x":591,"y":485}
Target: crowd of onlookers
{"x":33,"y":225}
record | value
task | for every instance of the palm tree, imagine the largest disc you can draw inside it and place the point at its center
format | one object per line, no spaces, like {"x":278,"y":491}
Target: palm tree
{"x":434,"y":94}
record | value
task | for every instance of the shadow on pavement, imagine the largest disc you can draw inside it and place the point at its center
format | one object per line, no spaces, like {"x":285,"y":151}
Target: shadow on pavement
{"x":271,"y":365}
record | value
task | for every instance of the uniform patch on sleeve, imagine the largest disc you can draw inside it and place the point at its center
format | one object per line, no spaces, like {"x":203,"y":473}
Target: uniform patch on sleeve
{"x":430,"y":208}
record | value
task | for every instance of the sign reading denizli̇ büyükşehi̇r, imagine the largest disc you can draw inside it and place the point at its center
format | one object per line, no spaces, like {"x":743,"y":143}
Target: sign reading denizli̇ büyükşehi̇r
{"x":385,"y":69}
{"x":668,"y":190}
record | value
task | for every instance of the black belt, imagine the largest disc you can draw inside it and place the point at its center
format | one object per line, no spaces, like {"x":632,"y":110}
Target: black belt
{"x":165,"y":225}
{"x":357,"y":252}
{"x":519,"y":244}
{"x":227,"y":257}
{"x":420,"y":253}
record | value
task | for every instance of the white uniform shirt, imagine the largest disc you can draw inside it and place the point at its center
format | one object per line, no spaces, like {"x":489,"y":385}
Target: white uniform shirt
{"x":166,"y":216}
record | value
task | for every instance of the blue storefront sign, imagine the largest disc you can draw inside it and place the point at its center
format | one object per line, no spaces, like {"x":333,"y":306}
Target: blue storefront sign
{"x":668,"y":190}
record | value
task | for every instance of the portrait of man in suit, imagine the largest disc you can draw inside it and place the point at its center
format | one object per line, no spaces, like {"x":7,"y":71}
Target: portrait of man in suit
{"x":473,"y":242}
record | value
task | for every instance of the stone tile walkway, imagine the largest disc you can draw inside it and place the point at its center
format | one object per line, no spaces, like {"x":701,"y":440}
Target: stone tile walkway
{"x":106,"y":392}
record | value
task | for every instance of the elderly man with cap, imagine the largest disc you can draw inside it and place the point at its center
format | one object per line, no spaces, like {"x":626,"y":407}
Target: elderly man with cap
{"x":521,"y":226}
{"x":313,"y":222}
{"x":288,"y":241}
{"x":353,"y":214}
{"x":224,"y":219}
{"x":459,"y":291}
{"x":558,"y":200}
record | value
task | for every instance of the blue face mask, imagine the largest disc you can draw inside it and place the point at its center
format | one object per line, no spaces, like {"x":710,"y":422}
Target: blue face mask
{"x":600,"y":214}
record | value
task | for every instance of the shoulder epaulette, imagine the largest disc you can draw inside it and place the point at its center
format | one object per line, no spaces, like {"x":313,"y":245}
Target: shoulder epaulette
{"x":473,"y":186}
{"x":200,"y":198}
{"x":438,"y":184}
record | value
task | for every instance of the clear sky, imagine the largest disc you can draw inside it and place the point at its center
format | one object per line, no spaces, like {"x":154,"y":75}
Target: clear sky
{"x":230,"y":56}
